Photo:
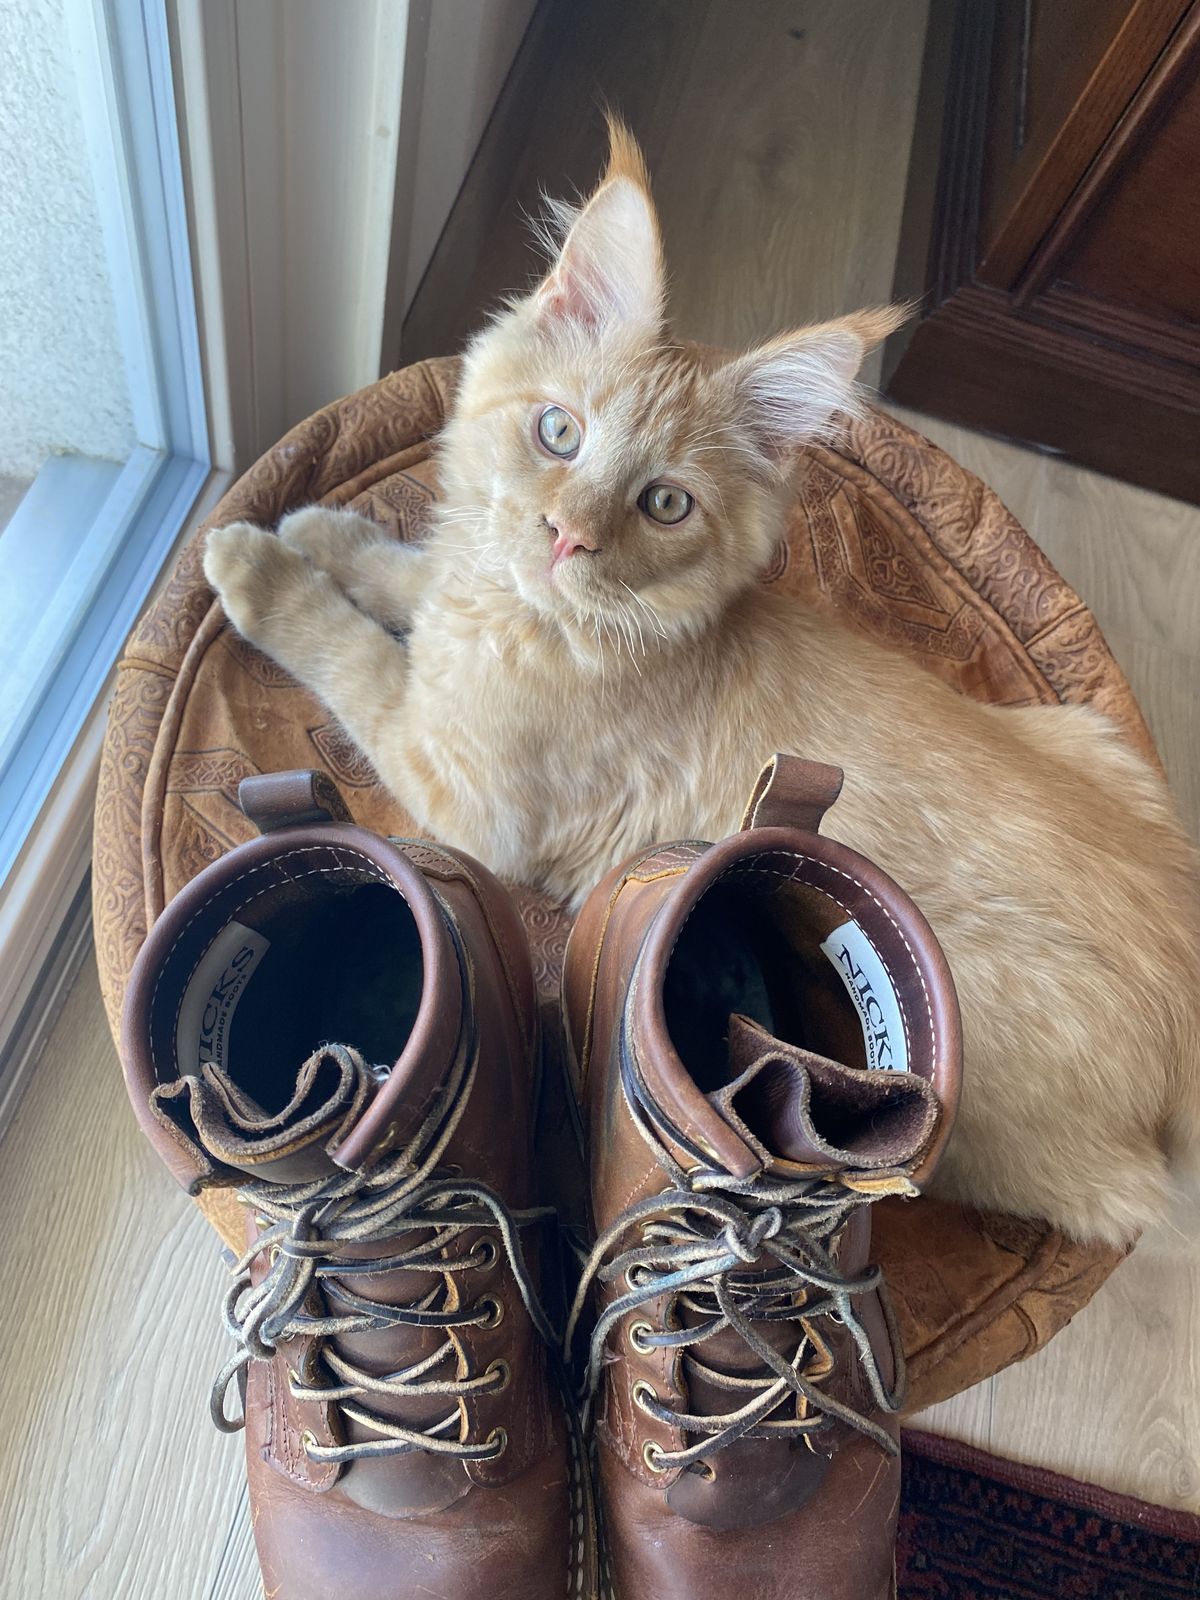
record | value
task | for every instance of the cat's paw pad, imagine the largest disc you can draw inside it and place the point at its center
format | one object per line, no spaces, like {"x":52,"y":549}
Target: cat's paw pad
{"x":328,"y":536}
{"x":250,"y":570}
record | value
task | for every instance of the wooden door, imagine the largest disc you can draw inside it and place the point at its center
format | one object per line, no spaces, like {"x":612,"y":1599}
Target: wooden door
{"x":1052,"y":231}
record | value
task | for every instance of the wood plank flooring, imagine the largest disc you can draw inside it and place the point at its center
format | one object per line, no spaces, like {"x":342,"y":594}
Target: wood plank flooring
{"x":778,"y":135}
{"x":114,"y":1485}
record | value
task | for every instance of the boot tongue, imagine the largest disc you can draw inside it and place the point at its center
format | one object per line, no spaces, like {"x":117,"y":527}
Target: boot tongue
{"x":801,"y":1113}
{"x":292,"y":1145}
{"x":797,"y":1107}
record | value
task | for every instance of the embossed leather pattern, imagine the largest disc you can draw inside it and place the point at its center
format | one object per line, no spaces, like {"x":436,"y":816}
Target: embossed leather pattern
{"x":887,"y":531}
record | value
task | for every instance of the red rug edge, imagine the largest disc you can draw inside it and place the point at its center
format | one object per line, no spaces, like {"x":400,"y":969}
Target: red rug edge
{"x":1181,"y":1525}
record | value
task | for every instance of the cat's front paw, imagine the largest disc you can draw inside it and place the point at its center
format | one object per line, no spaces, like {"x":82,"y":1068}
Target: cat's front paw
{"x":253,"y":573}
{"x":329,"y":537}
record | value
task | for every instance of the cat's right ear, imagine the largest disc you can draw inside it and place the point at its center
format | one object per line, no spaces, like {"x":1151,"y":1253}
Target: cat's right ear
{"x":610,"y":266}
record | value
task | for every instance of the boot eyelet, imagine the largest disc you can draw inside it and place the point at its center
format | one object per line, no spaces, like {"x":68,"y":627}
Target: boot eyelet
{"x":495,"y":1315}
{"x":309,"y":1440}
{"x":485,"y":1254}
{"x":498,"y":1437}
{"x":502,"y":1370}
{"x":643,"y":1391}
{"x":273,"y":1255}
{"x":295,"y":1381}
{"x":650,"y":1455}
{"x":638,"y":1331}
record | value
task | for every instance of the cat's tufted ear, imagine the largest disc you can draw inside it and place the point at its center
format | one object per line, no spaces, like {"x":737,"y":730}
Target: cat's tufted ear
{"x":610,"y":267}
{"x":790,"y":391}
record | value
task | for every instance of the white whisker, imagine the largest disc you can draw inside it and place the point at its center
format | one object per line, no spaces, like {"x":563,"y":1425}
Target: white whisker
{"x":652,"y":615}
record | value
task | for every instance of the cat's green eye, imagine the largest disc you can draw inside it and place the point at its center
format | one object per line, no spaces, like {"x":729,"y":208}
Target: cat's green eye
{"x":665,"y":503}
{"x":559,"y":432}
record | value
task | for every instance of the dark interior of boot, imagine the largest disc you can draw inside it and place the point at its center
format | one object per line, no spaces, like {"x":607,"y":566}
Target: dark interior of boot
{"x":757,"y":952}
{"x":345,"y":972}
{"x":342,"y":964}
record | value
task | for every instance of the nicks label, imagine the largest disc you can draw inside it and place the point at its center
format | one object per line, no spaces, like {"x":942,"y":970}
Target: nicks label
{"x":874,"y":996}
{"x":212,"y":997}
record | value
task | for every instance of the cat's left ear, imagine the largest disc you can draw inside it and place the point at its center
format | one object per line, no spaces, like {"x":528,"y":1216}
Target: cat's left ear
{"x":610,"y":267}
{"x":790,"y":391}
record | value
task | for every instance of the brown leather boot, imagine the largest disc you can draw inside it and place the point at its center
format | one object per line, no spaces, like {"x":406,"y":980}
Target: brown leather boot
{"x":768,"y":1041}
{"x":342,"y":1029}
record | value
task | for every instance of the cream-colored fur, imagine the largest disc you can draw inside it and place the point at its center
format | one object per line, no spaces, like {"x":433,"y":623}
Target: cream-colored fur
{"x":553,"y":720}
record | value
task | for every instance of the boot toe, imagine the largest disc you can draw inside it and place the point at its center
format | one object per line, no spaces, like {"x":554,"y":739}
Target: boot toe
{"x":513,"y":1542}
{"x":839,"y":1546}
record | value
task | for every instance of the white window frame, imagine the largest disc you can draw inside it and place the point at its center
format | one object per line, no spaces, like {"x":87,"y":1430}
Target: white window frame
{"x":122,"y":60}
{"x":129,"y":518}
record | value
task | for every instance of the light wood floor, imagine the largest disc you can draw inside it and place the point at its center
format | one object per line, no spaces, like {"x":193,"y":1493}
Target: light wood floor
{"x":780,"y":165}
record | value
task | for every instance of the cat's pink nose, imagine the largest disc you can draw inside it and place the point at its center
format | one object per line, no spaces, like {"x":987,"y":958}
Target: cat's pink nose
{"x":566,"y":544}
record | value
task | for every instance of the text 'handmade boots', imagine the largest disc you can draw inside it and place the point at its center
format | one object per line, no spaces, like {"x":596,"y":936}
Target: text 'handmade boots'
{"x":341,"y":1029}
{"x":768,"y":1041}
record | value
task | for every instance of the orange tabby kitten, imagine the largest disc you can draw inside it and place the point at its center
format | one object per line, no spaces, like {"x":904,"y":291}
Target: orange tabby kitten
{"x":591,"y":666}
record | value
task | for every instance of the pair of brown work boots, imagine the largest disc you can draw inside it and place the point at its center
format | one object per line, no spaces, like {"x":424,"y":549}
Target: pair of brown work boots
{"x":763,"y":1040}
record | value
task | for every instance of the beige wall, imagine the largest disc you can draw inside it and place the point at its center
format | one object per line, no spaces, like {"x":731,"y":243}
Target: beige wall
{"x":470,"y":47}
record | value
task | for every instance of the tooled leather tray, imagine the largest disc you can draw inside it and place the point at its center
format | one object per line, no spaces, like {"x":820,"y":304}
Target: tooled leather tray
{"x":886,"y":530}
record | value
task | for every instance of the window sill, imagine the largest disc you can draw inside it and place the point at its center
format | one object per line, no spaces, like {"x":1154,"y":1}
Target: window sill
{"x":45,"y":917}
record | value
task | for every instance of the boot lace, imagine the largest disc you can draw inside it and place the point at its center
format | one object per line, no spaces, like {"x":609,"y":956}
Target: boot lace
{"x":308,"y":1230}
{"x":698,"y":1245}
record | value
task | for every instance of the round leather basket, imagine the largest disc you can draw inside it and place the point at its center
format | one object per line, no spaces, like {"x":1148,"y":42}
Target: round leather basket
{"x":886,"y":530}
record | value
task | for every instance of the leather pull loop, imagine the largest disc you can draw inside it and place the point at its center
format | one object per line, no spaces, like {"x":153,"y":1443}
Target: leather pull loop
{"x":792,"y":793}
{"x":291,"y":800}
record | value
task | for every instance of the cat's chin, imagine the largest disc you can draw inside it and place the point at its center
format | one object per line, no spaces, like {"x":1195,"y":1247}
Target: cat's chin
{"x":580,"y":621}
{"x":550,"y":591}
{"x":541,"y":594}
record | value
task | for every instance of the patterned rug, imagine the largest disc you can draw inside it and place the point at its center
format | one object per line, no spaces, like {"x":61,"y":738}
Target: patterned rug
{"x":973,"y":1527}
